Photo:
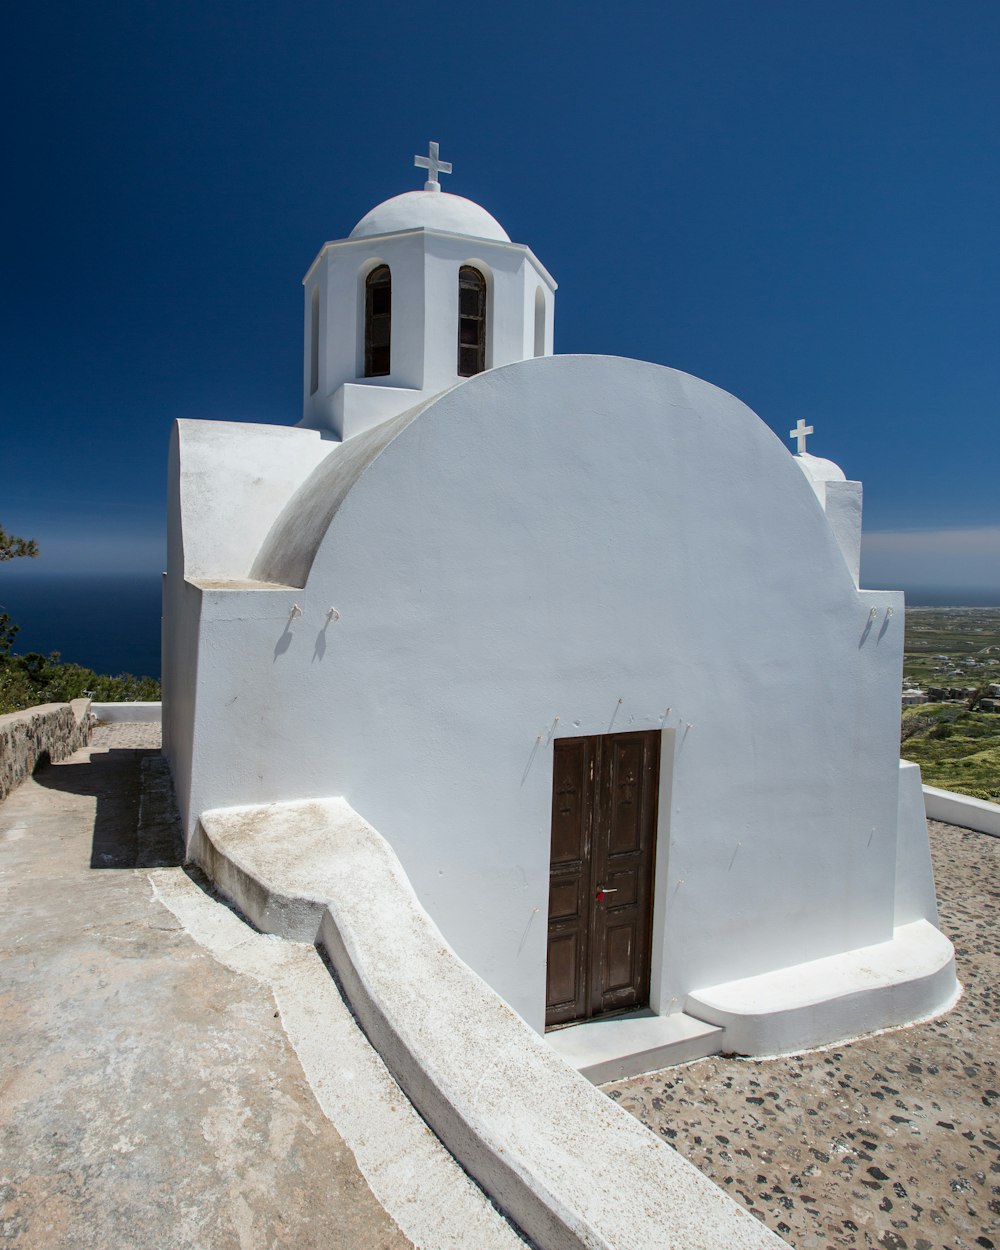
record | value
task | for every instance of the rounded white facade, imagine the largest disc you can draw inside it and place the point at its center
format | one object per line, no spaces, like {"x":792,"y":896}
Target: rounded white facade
{"x":568,"y":547}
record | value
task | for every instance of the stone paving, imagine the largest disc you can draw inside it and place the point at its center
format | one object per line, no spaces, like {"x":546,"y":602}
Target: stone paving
{"x":127,"y":734}
{"x":889,"y":1142}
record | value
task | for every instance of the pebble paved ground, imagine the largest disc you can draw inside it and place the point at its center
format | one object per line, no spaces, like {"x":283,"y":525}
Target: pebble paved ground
{"x":891,"y":1142}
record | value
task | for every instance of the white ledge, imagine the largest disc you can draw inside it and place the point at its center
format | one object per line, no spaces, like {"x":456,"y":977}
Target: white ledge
{"x":909,"y":978}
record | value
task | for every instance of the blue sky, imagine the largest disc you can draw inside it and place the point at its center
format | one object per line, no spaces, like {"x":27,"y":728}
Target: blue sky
{"x":796,"y":201}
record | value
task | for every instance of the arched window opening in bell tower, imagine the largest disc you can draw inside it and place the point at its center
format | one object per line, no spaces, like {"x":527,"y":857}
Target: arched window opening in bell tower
{"x":314,"y":341}
{"x":378,"y":322}
{"x":471,"y":322}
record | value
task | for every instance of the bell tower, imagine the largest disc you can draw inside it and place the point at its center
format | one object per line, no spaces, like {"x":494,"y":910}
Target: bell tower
{"x":427,"y":290}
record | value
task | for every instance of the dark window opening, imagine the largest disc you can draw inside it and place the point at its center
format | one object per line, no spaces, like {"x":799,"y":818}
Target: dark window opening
{"x":314,"y":342}
{"x":378,"y":322}
{"x":471,"y":322}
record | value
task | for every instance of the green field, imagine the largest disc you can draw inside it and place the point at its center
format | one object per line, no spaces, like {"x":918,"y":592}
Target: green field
{"x":956,"y":748}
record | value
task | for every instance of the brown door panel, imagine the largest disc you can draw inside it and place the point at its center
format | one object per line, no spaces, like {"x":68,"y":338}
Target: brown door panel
{"x":604,"y":799}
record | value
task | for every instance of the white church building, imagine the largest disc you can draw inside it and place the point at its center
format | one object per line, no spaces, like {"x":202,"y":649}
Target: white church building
{"x":577,"y":635}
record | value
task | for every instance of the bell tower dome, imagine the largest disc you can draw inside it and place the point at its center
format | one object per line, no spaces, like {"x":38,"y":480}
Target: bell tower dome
{"x":427,"y":290}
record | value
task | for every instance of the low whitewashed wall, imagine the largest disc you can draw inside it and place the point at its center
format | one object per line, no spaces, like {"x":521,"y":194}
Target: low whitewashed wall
{"x":115,"y":713}
{"x":960,"y":809}
{"x":52,"y":729}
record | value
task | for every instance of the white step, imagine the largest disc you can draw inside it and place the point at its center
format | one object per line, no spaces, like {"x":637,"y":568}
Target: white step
{"x":612,"y":1049}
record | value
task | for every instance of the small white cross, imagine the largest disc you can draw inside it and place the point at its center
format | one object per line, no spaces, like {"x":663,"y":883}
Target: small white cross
{"x":433,"y":166}
{"x":800,"y":432}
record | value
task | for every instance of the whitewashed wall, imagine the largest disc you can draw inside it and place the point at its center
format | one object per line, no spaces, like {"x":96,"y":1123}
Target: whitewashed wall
{"x":226,"y":484}
{"x":611,"y":543}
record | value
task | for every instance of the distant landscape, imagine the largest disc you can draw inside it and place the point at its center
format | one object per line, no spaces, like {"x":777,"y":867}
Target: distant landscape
{"x":956,"y":744}
{"x":952,"y":646}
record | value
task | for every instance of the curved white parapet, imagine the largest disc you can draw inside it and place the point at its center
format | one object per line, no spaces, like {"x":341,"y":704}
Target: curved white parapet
{"x":567,"y":1164}
{"x":909,"y":978}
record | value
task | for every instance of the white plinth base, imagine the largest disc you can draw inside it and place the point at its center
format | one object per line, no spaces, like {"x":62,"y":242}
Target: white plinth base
{"x":909,"y":978}
{"x":610,"y":1050}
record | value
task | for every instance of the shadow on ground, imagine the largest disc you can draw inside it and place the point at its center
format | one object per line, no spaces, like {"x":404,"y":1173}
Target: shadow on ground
{"x":135,"y":819}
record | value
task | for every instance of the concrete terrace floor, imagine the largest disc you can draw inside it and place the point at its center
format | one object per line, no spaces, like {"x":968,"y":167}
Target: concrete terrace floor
{"x":171,"y":1079}
{"x":150,"y":1096}
{"x":892,"y":1141}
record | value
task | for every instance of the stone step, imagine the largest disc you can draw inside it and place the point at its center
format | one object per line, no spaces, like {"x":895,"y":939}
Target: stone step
{"x":612,"y":1049}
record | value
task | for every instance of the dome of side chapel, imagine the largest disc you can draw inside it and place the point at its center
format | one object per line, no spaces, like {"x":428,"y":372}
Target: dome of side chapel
{"x":819,"y":470}
{"x":430,"y":210}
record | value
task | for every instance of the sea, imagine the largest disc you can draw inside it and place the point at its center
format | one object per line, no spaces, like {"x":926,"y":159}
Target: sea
{"x":110,"y":624}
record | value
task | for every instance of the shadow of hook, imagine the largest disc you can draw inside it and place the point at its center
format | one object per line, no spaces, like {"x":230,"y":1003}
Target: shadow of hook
{"x":283,"y":643}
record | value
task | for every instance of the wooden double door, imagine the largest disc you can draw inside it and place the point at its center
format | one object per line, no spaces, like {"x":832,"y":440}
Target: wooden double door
{"x":604,"y":800}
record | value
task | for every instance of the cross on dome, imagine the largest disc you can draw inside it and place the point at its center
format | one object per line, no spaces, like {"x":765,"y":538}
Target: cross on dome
{"x":800,"y":432}
{"x":433,"y":165}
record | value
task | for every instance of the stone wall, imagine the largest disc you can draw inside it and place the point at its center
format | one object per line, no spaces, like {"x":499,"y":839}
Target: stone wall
{"x":53,"y":730}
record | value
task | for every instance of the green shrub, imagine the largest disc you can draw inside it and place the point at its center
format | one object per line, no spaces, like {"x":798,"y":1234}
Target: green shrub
{"x":955,"y":748}
{"x":16,"y":691}
{"x":28,"y":680}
